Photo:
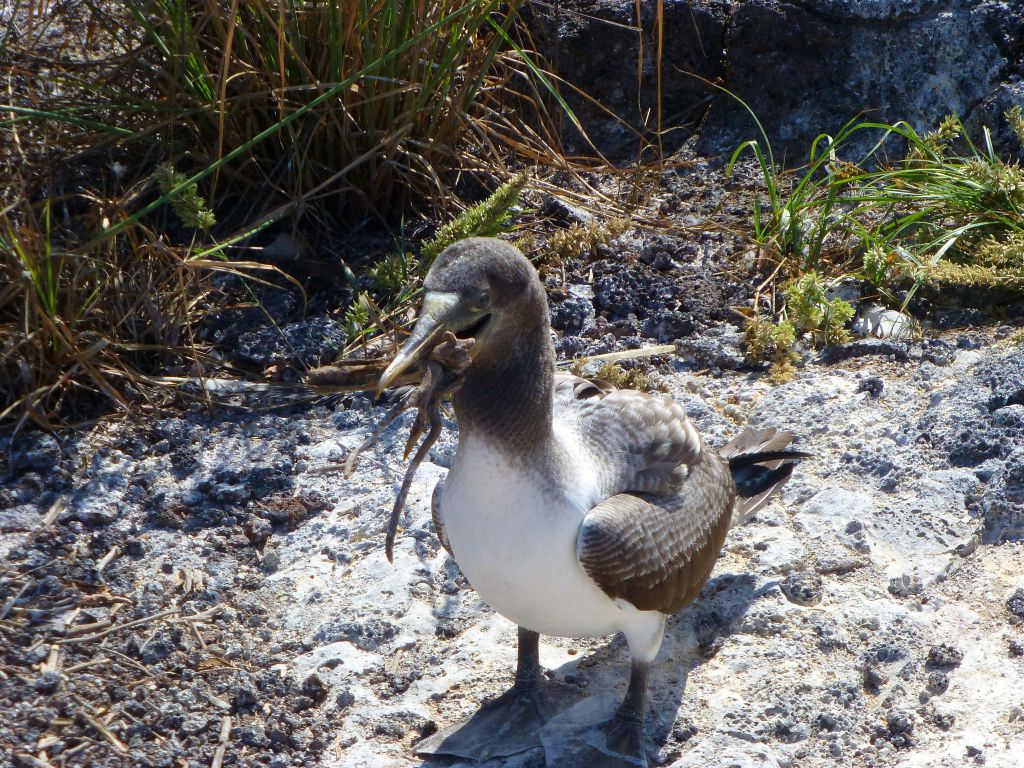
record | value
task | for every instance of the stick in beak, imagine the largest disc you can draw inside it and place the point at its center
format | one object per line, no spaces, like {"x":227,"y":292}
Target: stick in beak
{"x":429,"y":328}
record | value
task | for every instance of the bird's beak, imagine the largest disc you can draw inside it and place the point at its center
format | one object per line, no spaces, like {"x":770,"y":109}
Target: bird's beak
{"x":435,"y":318}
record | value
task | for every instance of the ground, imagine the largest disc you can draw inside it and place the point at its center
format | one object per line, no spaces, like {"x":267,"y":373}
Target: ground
{"x":205,"y":587}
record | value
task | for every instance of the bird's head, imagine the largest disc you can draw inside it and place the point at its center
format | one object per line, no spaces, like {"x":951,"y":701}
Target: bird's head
{"x":479,"y":288}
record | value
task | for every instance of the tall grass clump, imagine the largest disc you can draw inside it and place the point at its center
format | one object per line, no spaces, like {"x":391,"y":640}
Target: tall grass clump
{"x":84,"y":326}
{"x":365,"y":103}
{"x":142,"y":140}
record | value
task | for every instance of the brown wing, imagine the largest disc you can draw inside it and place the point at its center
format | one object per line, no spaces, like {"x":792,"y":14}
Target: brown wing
{"x":656,"y":552}
{"x":668,"y":504}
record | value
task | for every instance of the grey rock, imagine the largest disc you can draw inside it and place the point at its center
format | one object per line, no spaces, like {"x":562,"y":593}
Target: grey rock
{"x":245,"y":695}
{"x":906,"y":585}
{"x":253,"y":735}
{"x":569,"y":41}
{"x":1015,"y":603}
{"x":803,"y":588}
{"x":938,"y":682}
{"x":803,"y":67}
{"x":836,"y":353}
{"x":945,"y":656}
{"x":368,"y":635}
{"x":36,"y":452}
{"x":1002,"y":501}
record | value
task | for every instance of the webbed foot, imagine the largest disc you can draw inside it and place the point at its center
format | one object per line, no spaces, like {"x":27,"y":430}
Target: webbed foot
{"x":585,"y":737}
{"x":505,"y":726}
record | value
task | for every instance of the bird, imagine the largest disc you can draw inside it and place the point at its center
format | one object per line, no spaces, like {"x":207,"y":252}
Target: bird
{"x":574,"y":509}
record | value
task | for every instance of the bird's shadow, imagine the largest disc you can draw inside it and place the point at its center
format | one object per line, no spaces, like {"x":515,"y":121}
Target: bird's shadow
{"x":692,"y":636}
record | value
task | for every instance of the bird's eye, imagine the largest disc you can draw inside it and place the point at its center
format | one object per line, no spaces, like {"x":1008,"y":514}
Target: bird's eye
{"x":479,"y":302}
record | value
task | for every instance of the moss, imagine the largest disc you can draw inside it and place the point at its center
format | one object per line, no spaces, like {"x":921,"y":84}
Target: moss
{"x":392,"y":273}
{"x":767,"y":341}
{"x":628,"y":378}
{"x":975,"y":276}
{"x":811,"y":311}
{"x":1015,"y":117}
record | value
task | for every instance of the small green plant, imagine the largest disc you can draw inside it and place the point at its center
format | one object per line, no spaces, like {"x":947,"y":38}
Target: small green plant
{"x":579,"y":239}
{"x":1015,"y":118}
{"x":188,"y":204}
{"x":812,"y":312}
{"x":628,"y":378}
{"x":774,"y":343}
{"x":900,"y":217}
{"x":392,"y":274}
{"x":487,"y":218}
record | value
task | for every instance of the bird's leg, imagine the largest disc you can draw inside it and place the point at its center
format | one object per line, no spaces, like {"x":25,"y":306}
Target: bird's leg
{"x":617,"y":742}
{"x":510,"y":723}
{"x":625,"y":731}
{"x":528,"y":670}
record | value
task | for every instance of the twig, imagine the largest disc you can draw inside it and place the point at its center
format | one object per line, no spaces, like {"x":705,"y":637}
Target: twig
{"x":625,"y":354}
{"x":127,"y":625}
{"x":209,"y":613}
{"x":218,"y":703}
{"x":87,"y":664}
{"x":222,"y":746}
{"x":53,"y":513}
{"x":79,"y":629}
{"x":53,"y":660}
{"x":35,"y":762}
{"x":105,"y":732}
{"x":10,"y":603}
{"x":130,"y":660}
{"x":105,"y":560}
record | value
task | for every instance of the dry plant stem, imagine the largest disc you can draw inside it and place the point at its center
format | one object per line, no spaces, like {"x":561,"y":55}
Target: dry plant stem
{"x":432,"y":409}
{"x":441,"y":367}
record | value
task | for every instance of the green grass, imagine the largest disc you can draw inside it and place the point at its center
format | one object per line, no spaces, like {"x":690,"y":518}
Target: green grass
{"x":363,"y":101}
{"x":944,"y":200}
{"x":944,"y":211}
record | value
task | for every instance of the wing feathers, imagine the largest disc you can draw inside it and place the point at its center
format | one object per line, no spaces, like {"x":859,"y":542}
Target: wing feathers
{"x":657,"y":552}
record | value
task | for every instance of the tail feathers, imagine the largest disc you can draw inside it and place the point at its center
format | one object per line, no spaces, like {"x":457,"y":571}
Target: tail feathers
{"x":760,"y":463}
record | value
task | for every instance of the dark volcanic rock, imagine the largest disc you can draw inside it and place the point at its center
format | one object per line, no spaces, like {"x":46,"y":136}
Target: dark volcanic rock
{"x":803,"y":588}
{"x":36,"y":452}
{"x":581,"y":44}
{"x":308,"y":342}
{"x":803,"y":67}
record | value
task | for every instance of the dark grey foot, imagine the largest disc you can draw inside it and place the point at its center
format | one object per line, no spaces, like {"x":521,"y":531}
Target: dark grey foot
{"x":505,"y":726}
{"x":614,"y":743}
{"x":586,"y":737}
{"x":625,"y":742}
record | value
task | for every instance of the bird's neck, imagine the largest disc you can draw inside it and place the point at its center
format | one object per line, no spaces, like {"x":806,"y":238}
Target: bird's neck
{"x":507,"y":393}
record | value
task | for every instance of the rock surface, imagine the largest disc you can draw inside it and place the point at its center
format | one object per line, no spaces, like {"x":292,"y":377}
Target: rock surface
{"x":871,"y":616}
{"x":804,"y":67}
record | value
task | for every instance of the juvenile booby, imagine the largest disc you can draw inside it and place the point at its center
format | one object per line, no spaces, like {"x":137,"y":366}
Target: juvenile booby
{"x":573,"y":509}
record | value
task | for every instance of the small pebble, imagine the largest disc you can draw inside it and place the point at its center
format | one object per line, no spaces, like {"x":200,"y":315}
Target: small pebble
{"x":945,"y":656}
{"x":802,"y":588}
{"x":1015,"y":604}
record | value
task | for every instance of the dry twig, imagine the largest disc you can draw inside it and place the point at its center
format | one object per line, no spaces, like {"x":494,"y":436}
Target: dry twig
{"x":442,"y":368}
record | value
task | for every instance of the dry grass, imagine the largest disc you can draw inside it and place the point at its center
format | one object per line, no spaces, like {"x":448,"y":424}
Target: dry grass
{"x":143,"y":140}
{"x":122,"y":120}
{"x":366,"y":104}
{"x":80,"y":325}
